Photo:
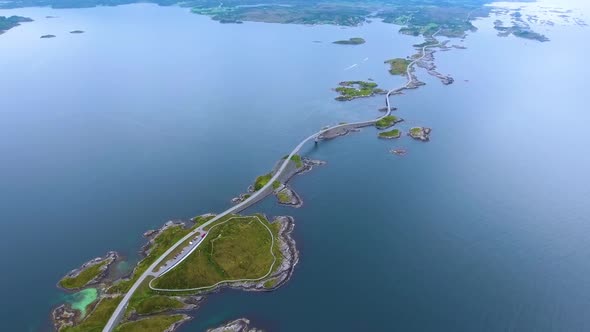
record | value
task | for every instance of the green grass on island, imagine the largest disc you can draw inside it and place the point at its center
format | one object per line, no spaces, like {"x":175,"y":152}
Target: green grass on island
{"x":162,"y":242}
{"x":151,"y":324}
{"x":387,"y":121}
{"x":297,"y":159}
{"x":237,"y":249}
{"x":398,"y":66}
{"x":145,"y":301}
{"x":349,"y":90}
{"x":350,"y":41}
{"x":276,"y":184}
{"x":395,"y":133}
{"x":261,"y":181}
{"x":98,"y":318}
{"x":283,"y":197}
{"x":83,"y":278}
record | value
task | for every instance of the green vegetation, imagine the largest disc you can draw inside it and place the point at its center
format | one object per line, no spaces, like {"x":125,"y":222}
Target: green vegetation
{"x":349,"y":90}
{"x":398,"y":66}
{"x":387,"y":121}
{"x":83,"y":278}
{"x":162,"y":242}
{"x":350,"y":41}
{"x":7,"y":23}
{"x":152,"y":324}
{"x":276,"y":184}
{"x":261,"y":181}
{"x":416,"y":131}
{"x":283,"y":197}
{"x":395,"y":133}
{"x":145,"y":301}
{"x":98,"y":318}
{"x":270,"y":283}
{"x":237,"y":249}
{"x":199,"y":220}
{"x":297,"y":159}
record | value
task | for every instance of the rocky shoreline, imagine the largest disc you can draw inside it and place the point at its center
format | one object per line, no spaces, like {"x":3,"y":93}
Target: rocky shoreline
{"x":106,"y":262}
{"x":64,"y":315}
{"x":293,"y":199}
{"x":238,"y":325}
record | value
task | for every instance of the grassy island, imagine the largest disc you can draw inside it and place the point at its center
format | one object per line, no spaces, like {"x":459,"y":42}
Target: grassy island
{"x":387,"y":121}
{"x":241,"y":248}
{"x":7,"y":23}
{"x":350,"y":41}
{"x":398,"y":66}
{"x":83,"y":277}
{"x":395,"y":133}
{"x":350,"y":90}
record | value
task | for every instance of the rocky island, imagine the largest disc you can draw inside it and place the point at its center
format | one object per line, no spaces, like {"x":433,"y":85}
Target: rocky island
{"x":350,"y":90}
{"x":280,"y":188}
{"x":91,"y":272}
{"x":420,"y":133}
{"x":77,"y":31}
{"x":47,"y":36}
{"x":238,"y":325}
{"x":391,"y":134}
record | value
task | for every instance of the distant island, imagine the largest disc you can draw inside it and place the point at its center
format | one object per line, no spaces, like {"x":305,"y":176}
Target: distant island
{"x":77,"y":31}
{"x":47,"y":36}
{"x":350,"y":41}
{"x":7,"y":23}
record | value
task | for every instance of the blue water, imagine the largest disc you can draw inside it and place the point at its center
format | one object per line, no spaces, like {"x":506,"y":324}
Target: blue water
{"x":112,"y":132}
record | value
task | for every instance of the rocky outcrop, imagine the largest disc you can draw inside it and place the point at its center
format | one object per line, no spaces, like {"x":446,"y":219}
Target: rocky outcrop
{"x":106,"y":262}
{"x":238,"y":325}
{"x":420,"y":133}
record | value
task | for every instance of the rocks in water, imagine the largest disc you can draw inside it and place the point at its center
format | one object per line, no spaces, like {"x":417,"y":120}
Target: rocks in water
{"x":420,"y":133}
{"x":399,"y":152}
{"x":64,"y":316}
{"x":238,"y":325}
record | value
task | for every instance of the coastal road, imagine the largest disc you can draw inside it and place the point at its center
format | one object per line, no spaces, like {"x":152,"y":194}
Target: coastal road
{"x":120,"y":310}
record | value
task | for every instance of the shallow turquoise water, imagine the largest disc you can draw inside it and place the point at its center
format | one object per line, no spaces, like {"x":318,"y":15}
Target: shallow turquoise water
{"x":112,"y":132}
{"x":82,"y":299}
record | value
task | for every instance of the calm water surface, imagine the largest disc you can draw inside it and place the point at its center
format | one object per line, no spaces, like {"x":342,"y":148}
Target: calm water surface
{"x":156,"y":114}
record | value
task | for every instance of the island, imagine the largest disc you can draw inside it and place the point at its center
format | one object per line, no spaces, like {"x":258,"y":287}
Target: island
{"x":47,"y":36}
{"x":77,"y":31}
{"x":387,"y":121}
{"x":420,"y":133}
{"x":391,"y":134}
{"x":398,"y":66}
{"x":350,"y":41}
{"x":7,"y":23}
{"x":350,"y":90}
{"x":265,"y":248}
{"x":283,"y":192}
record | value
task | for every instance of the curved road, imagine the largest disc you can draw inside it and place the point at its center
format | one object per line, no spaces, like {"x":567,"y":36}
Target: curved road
{"x":120,"y":310}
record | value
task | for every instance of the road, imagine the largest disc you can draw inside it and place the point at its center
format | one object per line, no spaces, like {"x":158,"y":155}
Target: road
{"x":120,"y":310}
